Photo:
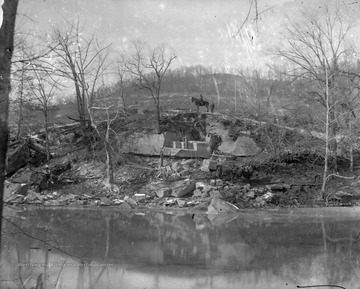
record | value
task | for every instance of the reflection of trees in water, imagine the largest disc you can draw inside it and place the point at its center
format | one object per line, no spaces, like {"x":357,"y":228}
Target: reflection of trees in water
{"x":293,"y":251}
{"x":333,"y":256}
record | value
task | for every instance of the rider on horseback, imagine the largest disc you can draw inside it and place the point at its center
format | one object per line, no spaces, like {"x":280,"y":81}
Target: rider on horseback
{"x":201,"y":100}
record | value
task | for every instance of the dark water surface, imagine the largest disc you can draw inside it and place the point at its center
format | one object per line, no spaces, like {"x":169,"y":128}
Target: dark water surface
{"x":108,"y":248}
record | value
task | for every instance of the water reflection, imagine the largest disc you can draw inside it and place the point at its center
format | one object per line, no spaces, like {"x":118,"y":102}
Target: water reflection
{"x":89,"y":248}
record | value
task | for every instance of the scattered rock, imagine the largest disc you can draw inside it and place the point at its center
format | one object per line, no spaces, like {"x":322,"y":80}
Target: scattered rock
{"x":247,"y":188}
{"x":250,"y":195}
{"x":176,"y":167}
{"x":31,"y":196}
{"x":22,"y":189}
{"x":208,"y":165}
{"x":219,"y":182}
{"x":163,"y":192}
{"x":188,"y":162}
{"x":220,"y":206}
{"x":278,"y":187}
{"x":343,"y":196}
{"x":207,"y":189}
{"x":22,"y":177}
{"x":9,"y":189}
{"x":169,"y":202}
{"x":215,"y":194}
{"x":181,"y":203}
{"x":205,"y":194}
{"x":105,"y":201}
{"x":118,"y":201}
{"x":70,"y":137}
{"x":82,"y":202}
{"x":182,"y":188}
{"x":268,"y":197}
{"x":131,"y":202}
{"x":125,"y":206}
{"x":14,"y":199}
{"x":185,"y":173}
{"x":197,"y":193}
{"x":53,"y":203}
{"x":200,"y":185}
{"x":139,"y":197}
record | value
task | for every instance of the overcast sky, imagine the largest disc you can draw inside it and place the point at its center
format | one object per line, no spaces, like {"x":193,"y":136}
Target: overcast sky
{"x":200,"y":31}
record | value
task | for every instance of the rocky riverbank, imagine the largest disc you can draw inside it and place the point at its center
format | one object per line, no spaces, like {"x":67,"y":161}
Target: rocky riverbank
{"x":229,"y":162}
{"x":218,"y":184}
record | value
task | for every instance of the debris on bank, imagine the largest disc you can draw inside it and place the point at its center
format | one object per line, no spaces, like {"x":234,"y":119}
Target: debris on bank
{"x":245,"y":177}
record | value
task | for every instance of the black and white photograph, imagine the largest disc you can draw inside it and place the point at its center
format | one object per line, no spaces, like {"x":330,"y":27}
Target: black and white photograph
{"x":179,"y":144}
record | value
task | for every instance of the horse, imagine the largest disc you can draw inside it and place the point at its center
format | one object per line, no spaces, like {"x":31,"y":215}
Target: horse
{"x":198,"y":103}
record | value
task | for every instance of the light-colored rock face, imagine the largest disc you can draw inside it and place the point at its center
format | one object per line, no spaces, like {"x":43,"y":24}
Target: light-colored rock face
{"x":146,"y":144}
{"x":243,"y":146}
{"x":155,"y":144}
{"x":169,"y":144}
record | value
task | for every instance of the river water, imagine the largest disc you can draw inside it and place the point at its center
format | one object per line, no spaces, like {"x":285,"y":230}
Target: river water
{"x":108,"y":248}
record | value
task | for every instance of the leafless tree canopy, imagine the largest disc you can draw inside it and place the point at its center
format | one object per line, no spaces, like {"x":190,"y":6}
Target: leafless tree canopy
{"x":81,"y":58}
{"x":149,"y":67}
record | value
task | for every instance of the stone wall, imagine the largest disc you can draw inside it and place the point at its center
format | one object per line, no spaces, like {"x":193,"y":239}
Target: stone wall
{"x":171,"y":144}
{"x":168,"y":142}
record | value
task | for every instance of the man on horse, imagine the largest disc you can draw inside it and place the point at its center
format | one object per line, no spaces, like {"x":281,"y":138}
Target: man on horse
{"x":202,"y":103}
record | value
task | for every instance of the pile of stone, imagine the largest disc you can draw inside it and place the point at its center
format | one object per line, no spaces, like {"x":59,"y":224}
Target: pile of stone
{"x":176,"y":169}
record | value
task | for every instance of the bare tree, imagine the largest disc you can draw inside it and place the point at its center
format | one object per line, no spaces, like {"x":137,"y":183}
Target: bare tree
{"x":123,"y":86}
{"x":149,"y":67}
{"x":24,"y":54}
{"x":108,"y":118}
{"x":316,"y":47}
{"x":43,"y":87}
{"x":82,"y":59}
{"x":9,"y":8}
{"x":20,"y":94}
{"x":104,"y":112}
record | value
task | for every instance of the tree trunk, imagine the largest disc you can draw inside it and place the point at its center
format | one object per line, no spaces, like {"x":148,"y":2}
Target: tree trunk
{"x":109,"y":163}
{"x":47,"y":146}
{"x":158,"y":117}
{"x":6,"y":48}
{"x":327,"y":137}
{"x":21,"y":103}
{"x":332,"y":137}
{"x":80,"y":102}
{"x":351,"y":149}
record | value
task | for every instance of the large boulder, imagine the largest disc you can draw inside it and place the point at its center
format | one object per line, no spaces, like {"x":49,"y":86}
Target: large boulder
{"x":209,"y":165}
{"x":183,"y":187}
{"x":220,"y":206}
{"x":243,"y":146}
{"x":176,"y":189}
{"x":18,"y":158}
